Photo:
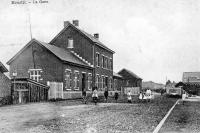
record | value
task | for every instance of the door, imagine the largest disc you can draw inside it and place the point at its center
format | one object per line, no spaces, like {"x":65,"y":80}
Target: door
{"x":83,"y":81}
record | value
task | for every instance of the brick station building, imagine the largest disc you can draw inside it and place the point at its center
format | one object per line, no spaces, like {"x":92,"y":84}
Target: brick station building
{"x":71,"y":62}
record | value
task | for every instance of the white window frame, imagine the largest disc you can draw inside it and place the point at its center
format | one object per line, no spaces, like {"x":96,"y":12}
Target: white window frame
{"x":70,"y":43}
{"x":102,"y":77}
{"x":36,"y":74}
{"x":98,"y":59}
{"x":97,"y":81}
{"x":103,"y":60}
{"x":70,"y":79}
{"x":76,"y":80}
{"x":89,"y":81}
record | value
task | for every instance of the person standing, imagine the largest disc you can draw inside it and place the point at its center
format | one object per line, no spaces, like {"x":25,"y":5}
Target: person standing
{"x":95,"y":95}
{"x":106,"y":94}
{"x":129,"y":96}
{"x":183,"y":97}
{"x":116,"y":96}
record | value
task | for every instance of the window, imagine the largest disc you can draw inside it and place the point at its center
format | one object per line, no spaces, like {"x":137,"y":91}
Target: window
{"x":115,"y":84}
{"x":110,"y":83}
{"x":97,"y":59}
{"x":97,"y":81}
{"x":76,"y":80}
{"x":102,"y":81}
{"x":111,"y":64}
{"x":35,"y":74}
{"x":102,"y":61}
{"x":70,"y":43}
{"x":68,"y":79}
{"x":89,"y":81}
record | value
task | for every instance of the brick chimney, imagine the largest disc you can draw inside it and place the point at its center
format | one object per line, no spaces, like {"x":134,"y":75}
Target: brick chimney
{"x":96,"y":35}
{"x":75,"y":22}
{"x":66,"y":23}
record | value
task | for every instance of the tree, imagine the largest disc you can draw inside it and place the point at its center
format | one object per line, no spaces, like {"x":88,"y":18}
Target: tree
{"x":168,"y":82}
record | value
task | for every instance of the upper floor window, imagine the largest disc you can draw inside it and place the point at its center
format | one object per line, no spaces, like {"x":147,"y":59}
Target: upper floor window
{"x":111,"y":64}
{"x":106,"y":62}
{"x":102,"y":61}
{"x":70,"y":43}
{"x":35,"y":74}
{"x":97,"y":59}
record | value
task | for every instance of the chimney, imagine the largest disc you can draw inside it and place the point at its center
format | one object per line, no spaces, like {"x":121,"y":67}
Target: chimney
{"x":96,"y":35}
{"x":75,"y":22}
{"x":66,"y":23}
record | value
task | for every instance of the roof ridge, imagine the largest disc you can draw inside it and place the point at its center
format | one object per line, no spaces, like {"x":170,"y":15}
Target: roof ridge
{"x":89,"y":36}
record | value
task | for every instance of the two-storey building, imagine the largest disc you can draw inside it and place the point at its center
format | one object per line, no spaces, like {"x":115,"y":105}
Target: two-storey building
{"x":71,"y":62}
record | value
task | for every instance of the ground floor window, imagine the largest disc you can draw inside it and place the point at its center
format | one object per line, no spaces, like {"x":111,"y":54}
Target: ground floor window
{"x":76,"y":80}
{"x":97,"y":81}
{"x":68,"y":80}
{"x":35,"y":74}
{"x":110,"y":83}
{"x":89,"y":81}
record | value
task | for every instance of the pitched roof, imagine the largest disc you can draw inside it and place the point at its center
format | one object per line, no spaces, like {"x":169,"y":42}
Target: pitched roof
{"x":131,"y":73}
{"x":89,"y":36}
{"x":117,"y":75}
{"x":62,"y":54}
{"x":3,"y":68}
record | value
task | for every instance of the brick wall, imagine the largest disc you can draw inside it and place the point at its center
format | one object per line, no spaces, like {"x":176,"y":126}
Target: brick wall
{"x":51,"y":66}
{"x":82,"y":45}
{"x":5,"y":85}
{"x":81,"y":70}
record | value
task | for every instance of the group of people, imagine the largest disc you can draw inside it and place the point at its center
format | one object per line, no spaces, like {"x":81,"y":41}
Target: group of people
{"x":147,"y":96}
{"x":95,"y":95}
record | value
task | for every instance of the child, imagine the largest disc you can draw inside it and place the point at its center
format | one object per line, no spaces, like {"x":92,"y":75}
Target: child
{"x":106,"y":94}
{"x":116,"y":96}
{"x":95,"y":95}
{"x":129,"y":97}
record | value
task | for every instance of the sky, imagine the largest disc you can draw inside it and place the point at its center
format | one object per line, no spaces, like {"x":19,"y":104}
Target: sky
{"x":157,"y":40}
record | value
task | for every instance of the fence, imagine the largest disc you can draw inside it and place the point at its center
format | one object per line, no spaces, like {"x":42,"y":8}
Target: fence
{"x":55,"y":90}
{"x":133,"y":90}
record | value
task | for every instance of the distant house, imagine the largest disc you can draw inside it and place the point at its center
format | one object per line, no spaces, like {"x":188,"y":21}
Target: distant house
{"x":5,"y":83}
{"x":131,"y":82}
{"x":73,"y":61}
{"x":117,"y":82}
{"x":130,"y":78}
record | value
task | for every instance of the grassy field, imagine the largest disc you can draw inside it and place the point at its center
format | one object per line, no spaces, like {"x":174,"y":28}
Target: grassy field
{"x":183,"y":119}
{"x":104,"y":117}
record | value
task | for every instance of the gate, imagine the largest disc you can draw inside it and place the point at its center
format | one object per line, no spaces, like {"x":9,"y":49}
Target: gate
{"x":55,"y":90}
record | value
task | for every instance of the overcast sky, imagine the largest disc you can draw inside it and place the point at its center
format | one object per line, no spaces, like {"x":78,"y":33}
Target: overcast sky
{"x":153,"y":38}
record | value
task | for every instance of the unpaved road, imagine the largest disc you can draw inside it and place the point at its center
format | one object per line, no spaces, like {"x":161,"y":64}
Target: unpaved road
{"x":103,"y":118}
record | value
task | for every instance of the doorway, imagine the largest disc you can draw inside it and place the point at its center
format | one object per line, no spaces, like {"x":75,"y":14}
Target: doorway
{"x":83,"y":81}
